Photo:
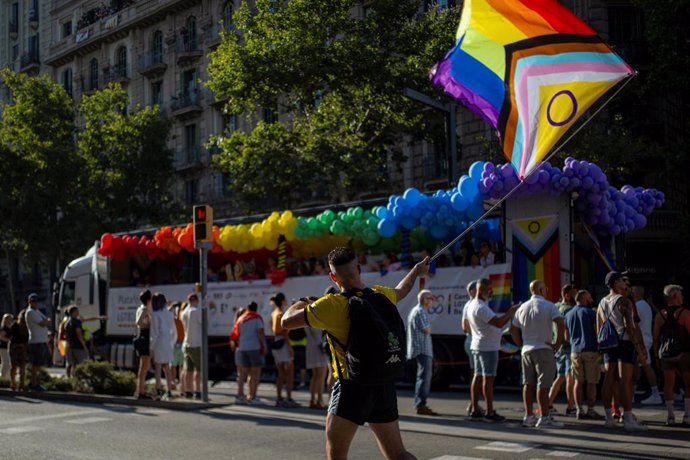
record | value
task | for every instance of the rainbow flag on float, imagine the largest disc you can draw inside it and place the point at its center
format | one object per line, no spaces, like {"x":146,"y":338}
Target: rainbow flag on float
{"x":531,"y":69}
{"x":501,"y":285}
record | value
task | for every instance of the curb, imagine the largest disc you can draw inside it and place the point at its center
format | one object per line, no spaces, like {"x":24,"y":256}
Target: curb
{"x":182,"y":405}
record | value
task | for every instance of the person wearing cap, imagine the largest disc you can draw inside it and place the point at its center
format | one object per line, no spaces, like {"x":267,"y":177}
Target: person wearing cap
{"x":673,"y":294}
{"x":191,"y":347}
{"x":619,"y":363}
{"x":38,"y":341}
{"x":420,"y":349}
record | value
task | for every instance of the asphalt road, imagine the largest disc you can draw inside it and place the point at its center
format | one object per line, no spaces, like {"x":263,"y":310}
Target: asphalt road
{"x":31,"y":429}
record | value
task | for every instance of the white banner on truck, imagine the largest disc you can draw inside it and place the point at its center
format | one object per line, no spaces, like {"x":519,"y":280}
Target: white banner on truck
{"x":224,"y":299}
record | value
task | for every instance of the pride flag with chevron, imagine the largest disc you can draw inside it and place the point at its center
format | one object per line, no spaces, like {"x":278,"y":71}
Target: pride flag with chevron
{"x":536,"y":255}
{"x":531,"y":69}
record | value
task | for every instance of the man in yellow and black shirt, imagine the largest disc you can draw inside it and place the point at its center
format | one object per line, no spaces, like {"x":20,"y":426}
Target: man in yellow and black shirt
{"x":353,"y":404}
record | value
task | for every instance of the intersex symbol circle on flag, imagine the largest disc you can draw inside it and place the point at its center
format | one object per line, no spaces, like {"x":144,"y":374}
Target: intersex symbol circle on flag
{"x":572,"y":114}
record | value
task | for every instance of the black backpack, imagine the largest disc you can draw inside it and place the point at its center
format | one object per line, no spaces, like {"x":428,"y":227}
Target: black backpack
{"x":673,"y":337}
{"x":375,"y":349}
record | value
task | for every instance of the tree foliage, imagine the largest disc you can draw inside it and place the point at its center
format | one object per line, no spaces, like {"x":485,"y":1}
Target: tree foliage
{"x":62,"y":186}
{"x":339,"y":80}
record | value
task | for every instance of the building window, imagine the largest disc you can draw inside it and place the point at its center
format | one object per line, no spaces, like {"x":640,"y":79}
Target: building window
{"x":190,"y":141}
{"x":188,"y":83}
{"x":229,"y":123}
{"x":14,"y":18}
{"x":121,"y":62}
{"x":15,"y":52}
{"x":67,"y":80}
{"x":33,"y":11}
{"x":270,"y":115}
{"x":67,"y":29}
{"x":33,"y":47}
{"x":191,"y":191}
{"x":93,"y":74}
{"x":228,"y":10}
{"x":157,"y":93}
{"x":188,"y":33}
{"x":157,"y":47}
{"x":222,"y":182}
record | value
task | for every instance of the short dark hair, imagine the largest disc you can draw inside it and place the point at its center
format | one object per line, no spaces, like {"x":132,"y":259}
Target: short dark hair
{"x":330,"y":290}
{"x":566,"y":289}
{"x":340,"y":256}
{"x":580,"y":294}
{"x":252,"y":306}
{"x":158,"y":302}
{"x":278,"y":299}
{"x":145,"y":296}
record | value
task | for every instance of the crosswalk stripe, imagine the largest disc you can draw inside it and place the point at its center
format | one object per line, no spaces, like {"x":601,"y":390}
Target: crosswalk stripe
{"x":88,"y":420}
{"x":501,"y":446}
{"x":50,"y":417}
{"x":562,"y":453}
{"x":20,"y":429}
{"x":456,"y":457}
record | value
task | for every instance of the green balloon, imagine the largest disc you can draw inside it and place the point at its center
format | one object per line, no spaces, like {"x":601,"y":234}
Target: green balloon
{"x":358,"y":212}
{"x":312,"y":223}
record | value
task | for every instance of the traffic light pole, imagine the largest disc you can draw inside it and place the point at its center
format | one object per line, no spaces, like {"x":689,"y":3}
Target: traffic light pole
{"x":203,"y":280}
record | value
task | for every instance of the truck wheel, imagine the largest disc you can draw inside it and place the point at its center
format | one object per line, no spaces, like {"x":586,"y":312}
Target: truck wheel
{"x":442,"y":371}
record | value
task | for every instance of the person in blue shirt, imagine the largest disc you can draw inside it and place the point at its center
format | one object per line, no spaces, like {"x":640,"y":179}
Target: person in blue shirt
{"x":580,"y":331}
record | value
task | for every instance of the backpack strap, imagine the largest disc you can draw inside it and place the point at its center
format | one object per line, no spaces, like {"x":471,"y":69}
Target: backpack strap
{"x":335,"y":341}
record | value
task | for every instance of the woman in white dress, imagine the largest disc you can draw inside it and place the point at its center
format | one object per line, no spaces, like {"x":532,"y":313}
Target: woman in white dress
{"x":163,"y":337}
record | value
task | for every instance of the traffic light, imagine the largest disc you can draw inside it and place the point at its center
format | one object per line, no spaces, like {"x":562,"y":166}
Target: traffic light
{"x":203,"y":224}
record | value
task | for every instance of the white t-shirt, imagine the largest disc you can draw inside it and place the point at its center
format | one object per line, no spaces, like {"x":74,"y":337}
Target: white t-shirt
{"x":191,"y":320}
{"x":37,"y":333}
{"x":644,"y":311}
{"x":464,"y":317}
{"x":485,"y":337}
{"x":487,"y":260}
{"x":535,"y":319}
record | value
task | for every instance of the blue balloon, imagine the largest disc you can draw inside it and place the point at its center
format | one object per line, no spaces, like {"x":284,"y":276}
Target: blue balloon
{"x":475,"y":210}
{"x":387,"y":228}
{"x":458,"y":202}
{"x":476,"y":170}
{"x":412,"y":196}
{"x":467,"y":187}
{"x":408,"y":223}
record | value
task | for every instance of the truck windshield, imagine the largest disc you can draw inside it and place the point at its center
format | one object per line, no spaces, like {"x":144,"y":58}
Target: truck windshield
{"x":67,"y":295}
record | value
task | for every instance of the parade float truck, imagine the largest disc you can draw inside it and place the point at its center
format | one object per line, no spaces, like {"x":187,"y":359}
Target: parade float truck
{"x":560,"y":227}
{"x":103,"y":286}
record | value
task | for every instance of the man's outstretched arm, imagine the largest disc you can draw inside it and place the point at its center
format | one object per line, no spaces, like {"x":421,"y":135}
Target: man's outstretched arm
{"x":406,"y":284}
{"x":294,"y":317}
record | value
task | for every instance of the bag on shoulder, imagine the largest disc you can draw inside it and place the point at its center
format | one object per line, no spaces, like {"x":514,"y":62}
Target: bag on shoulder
{"x":297,"y":334}
{"x":375,"y":349}
{"x":276,"y":344}
{"x":608,"y":338}
{"x":139,"y":342}
{"x":673,"y":337}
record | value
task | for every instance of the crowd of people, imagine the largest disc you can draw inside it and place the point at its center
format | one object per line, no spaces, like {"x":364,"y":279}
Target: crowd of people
{"x":572,"y":342}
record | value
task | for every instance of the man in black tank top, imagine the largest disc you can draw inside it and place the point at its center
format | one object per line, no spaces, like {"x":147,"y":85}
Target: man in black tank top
{"x":620,"y":362}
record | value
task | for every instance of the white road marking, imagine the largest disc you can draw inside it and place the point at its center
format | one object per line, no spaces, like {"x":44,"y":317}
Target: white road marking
{"x":88,"y":420}
{"x":147,"y":411}
{"x":37,"y":418}
{"x":508,"y":446}
{"x":455,"y":457}
{"x":563,"y":453}
{"x":20,"y":429}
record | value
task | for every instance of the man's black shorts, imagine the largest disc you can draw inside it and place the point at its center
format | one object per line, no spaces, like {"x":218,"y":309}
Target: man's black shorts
{"x":625,"y":353}
{"x":364,"y":403}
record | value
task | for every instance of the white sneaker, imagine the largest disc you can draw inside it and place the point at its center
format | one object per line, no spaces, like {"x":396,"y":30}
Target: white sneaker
{"x":634,"y":425}
{"x":548,"y":422}
{"x":529,"y":421}
{"x":241,"y":400}
{"x":256,"y":402}
{"x":653,"y":399}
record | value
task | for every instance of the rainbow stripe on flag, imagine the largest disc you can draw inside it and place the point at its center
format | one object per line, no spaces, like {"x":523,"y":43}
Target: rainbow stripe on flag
{"x":536,"y":255}
{"x":501,"y":284}
{"x":531,"y":69}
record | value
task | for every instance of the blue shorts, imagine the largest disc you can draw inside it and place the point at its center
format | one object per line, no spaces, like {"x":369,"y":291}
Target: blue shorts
{"x":468,"y":352}
{"x":563,"y":363}
{"x":485,"y":362}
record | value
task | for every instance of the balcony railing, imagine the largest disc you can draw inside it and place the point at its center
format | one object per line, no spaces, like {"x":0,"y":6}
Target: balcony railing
{"x":152,"y":63}
{"x":188,"y":45}
{"x":116,"y":74}
{"x":185,"y":103}
{"x":188,"y":157}
{"x":29,"y":60}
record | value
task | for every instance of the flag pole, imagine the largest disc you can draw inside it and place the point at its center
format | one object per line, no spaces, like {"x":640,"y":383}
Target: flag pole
{"x":555,"y":151}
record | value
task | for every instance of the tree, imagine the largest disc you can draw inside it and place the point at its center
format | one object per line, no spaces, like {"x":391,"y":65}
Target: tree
{"x":39,"y":193}
{"x":339,"y":80}
{"x":129,"y":163}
